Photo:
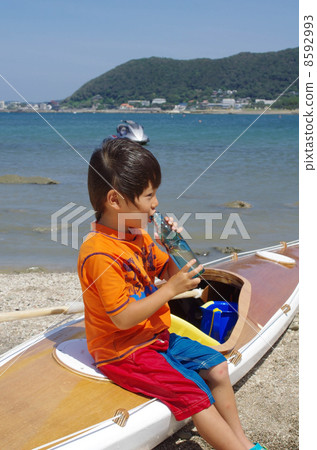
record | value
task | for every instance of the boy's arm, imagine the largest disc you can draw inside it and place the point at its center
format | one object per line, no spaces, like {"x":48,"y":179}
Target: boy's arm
{"x":138,"y":311}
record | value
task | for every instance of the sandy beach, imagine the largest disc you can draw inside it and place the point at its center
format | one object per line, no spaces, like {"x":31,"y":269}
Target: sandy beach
{"x":267,"y":397}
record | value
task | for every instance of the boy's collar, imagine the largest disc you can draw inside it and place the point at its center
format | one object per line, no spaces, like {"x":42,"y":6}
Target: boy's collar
{"x":130,"y":236}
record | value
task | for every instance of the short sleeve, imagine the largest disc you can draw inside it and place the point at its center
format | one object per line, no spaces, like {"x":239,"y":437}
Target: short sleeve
{"x":106,"y":277}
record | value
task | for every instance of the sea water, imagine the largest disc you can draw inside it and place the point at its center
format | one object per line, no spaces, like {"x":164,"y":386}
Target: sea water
{"x":207,"y":161}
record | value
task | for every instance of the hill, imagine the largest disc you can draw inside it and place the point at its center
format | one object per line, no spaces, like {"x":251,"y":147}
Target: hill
{"x":254,"y":75}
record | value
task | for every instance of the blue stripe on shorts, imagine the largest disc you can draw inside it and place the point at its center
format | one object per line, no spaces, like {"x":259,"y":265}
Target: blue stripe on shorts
{"x":189,"y":357}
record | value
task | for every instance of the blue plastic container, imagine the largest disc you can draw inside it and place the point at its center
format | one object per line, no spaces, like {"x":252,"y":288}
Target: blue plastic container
{"x":218,"y":319}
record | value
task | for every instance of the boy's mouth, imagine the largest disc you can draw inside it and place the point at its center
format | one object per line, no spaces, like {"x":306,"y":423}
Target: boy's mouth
{"x":151,"y":216}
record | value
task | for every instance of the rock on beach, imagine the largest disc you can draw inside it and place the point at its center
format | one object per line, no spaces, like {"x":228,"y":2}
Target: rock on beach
{"x":238,"y":204}
{"x":228,"y":250}
{"x":18,"y":179}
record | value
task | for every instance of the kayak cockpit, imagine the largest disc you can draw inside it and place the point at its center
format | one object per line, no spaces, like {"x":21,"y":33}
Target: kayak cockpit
{"x":218,"y":317}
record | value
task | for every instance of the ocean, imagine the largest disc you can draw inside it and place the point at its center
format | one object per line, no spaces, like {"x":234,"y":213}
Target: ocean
{"x":207,"y":161}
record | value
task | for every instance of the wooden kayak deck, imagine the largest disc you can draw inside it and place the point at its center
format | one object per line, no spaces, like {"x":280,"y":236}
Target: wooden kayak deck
{"x":38,"y":395}
{"x":271,"y":282}
{"x":270,"y":285}
{"x":42,"y":401}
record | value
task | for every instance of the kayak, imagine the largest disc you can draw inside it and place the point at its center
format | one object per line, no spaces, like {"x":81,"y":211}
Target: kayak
{"x":53,"y":397}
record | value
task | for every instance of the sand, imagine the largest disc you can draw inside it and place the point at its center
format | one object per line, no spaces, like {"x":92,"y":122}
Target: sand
{"x":267,"y":397}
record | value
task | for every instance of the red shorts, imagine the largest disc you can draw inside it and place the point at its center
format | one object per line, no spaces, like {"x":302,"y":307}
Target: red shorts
{"x":168,"y":370}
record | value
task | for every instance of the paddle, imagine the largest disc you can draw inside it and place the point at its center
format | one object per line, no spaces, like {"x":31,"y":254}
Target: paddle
{"x":73,"y":308}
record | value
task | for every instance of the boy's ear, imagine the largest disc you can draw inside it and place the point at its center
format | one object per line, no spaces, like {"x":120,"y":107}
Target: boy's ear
{"x":113,"y":199}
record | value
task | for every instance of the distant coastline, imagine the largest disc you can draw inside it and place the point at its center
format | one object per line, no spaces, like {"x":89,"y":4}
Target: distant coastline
{"x":157,"y":111}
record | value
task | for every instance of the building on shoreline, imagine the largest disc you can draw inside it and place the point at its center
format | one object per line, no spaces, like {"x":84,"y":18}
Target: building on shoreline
{"x":265,"y":102}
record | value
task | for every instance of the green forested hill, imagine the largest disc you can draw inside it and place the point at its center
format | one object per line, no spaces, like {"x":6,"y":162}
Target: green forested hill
{"x":255,"y":75}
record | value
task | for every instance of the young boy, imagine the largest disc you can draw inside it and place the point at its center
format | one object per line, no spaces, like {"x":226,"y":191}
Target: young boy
{"x":127,"y":318}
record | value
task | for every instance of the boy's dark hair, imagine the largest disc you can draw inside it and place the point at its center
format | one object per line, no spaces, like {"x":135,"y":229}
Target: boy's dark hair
{"x":123,"y":165}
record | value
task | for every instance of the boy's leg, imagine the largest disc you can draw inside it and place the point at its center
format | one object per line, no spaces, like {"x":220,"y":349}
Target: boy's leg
{"x":148,"y":372}
{"x":218,"y":380}
{"x":213,"y":368}
{"x":216,"y":431}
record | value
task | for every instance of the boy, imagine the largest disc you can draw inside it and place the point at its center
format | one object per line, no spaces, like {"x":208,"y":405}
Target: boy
{"x":127,"y":317}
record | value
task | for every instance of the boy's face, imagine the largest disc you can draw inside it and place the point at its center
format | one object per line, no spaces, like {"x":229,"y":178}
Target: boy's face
{"x":144,"y":207}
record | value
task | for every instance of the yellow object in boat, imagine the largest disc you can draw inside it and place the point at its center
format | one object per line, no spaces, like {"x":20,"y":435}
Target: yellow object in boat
{"x":186,"y":329}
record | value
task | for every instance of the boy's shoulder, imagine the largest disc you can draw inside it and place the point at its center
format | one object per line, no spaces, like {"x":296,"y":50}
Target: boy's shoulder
{"x":98,"y":249}
{"x":99,"y":241}
{"x":95,"y":240}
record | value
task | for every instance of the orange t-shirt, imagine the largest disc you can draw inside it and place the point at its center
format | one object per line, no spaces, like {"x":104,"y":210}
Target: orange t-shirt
{"x":113,"y":273}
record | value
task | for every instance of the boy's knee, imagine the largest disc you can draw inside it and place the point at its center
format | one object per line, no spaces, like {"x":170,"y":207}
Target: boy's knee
{"x":216,"y":374}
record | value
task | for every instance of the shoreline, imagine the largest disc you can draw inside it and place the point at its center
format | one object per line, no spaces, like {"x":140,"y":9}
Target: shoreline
{"x":155,"y":111}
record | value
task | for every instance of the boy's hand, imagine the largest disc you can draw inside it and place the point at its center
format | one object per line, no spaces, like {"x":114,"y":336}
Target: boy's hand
{"x":173,"y":225}
{"x":183,"y":280}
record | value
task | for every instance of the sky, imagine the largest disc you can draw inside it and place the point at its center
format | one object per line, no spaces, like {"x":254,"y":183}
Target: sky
{"x":51,"y":48}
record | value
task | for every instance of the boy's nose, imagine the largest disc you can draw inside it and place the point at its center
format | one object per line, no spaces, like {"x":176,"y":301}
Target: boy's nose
{"x":155,"y":202}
